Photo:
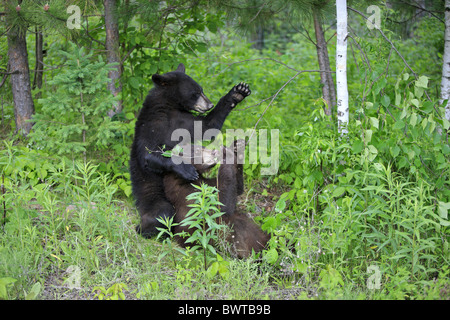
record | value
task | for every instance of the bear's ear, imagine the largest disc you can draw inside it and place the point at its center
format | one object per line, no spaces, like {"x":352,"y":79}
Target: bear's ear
{"x":164,"y":79}
{"x":181,"y":68}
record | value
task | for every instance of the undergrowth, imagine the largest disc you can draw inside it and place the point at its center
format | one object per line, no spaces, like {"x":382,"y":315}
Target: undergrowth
{"x":361,"y":216}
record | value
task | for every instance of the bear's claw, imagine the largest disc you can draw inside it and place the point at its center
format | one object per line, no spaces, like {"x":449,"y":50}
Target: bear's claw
{"x":240,"y":91}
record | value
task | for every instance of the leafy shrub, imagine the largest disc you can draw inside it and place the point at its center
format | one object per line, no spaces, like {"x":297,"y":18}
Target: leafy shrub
{"x":73,"y":117}
{"x":378,"y":196}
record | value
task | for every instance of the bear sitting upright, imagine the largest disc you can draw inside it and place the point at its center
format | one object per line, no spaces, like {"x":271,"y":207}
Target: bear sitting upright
{"x":169,"y":107}
{"x":246,"y":236}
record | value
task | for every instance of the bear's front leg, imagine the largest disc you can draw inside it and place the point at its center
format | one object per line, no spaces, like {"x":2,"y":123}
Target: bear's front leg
{"x":216,"y":118}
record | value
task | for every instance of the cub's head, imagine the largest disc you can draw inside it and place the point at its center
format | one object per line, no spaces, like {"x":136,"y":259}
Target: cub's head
{"x":182,"y":90}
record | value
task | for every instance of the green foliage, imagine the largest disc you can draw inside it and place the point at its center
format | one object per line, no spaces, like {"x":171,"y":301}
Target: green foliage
{"x":160,"y":46}
{"x":167,"y":235}
{"x":32,"y":14}
{"x":34,"y":292}
{"x":203,"y":219}
{"x":115,"y":292}
{"x":331,"y":282}
{"x":4,"y":284}
{"x":338,"y":209}
{"x":73,"y":116}
{"x":379,"y":197}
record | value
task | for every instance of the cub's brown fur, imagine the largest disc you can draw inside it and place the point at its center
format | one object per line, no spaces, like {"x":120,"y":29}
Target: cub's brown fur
{"x":245,"y":234}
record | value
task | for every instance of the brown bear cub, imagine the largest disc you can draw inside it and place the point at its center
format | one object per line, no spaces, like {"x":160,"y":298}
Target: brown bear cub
{"x":246,"y":236}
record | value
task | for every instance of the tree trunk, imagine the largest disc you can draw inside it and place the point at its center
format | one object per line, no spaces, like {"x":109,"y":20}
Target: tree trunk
{"x":419,"y":14}
{"x":38,"y":69}
{"x":258,"y":38}
{"x":113,"y":52}
{"x":20,"y":78}
{"x":445,"y":82}
{"x":341,"y":66}
{"x":326,"y":77}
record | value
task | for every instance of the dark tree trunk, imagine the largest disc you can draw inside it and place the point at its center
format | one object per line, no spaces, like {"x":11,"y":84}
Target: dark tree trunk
{"x":326,"y":77}
{"x":20,"y":78}
{"x":113,"y":52}
{"x":258,"y":38}
{"x":39,"y":68}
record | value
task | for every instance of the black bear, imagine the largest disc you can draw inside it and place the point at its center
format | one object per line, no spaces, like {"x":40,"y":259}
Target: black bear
{"x":246,"y":236}
{"x":169,"y":106}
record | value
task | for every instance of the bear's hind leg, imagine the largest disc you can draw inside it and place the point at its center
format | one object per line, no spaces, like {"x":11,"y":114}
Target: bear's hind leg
{"x":149,"y":215}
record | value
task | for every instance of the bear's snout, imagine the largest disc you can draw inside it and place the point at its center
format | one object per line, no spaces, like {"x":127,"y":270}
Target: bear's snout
{"x":202,"y":104}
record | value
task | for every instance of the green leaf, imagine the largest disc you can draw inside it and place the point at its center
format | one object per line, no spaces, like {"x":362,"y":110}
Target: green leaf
{"x":422,"y":82}
{"x":443,"y":209}
{"x":424,"y":123}
{"x":371,"y":152}
{"x":368,"y":135}
{"x":270,"y":223}
{"x":34,"y":292}
{"x":445,"y":123}
{"x":4,"y":282}
{"x":403,"y":162}
{"x":372,"y":149}
{"x":374,"y":122}
{"x":385,"y":101}
{"x":413,"y":119}
{"x":418,"y":91}
{"x":404,"y":113}
{"x":338,"y":192}
{"x":202,"y":47}
{"x":399,"y":125}
{"x":395,"y":151}
{"x":212,"y":270}
{"x":271,"y":256}
{"x":129,"y":116}
{"x":280,"y":206}
{"x":427,"y":106}
{"x":134,"y":82}
{"x":357,"y":146}
{"x":223,"y":271}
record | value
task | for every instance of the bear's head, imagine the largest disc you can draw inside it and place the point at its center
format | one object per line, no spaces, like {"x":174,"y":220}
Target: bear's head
{"x":182,"y":90}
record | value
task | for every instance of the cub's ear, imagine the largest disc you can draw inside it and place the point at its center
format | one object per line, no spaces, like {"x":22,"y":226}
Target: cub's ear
{"x":166,"y":79}
{"x":181,"y":68}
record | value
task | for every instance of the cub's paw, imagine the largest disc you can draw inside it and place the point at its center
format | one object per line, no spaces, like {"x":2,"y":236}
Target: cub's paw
{"x":239,"y":92}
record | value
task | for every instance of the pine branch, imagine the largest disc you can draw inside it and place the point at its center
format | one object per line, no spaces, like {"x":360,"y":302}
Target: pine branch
{"x":424,"y":10}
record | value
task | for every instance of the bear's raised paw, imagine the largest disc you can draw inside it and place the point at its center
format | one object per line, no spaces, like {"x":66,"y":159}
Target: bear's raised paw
{"x":240,"y":91}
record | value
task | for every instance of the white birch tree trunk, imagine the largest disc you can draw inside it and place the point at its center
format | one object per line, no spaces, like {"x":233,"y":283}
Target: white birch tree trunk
{"x":445,"y":82}
{"x":341,"y":66}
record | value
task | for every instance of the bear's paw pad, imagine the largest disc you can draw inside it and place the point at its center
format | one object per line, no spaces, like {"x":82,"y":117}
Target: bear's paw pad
{"x":240,"y":91}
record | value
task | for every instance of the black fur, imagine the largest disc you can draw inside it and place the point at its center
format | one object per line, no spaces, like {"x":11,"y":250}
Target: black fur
{"x":168,"y":107}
